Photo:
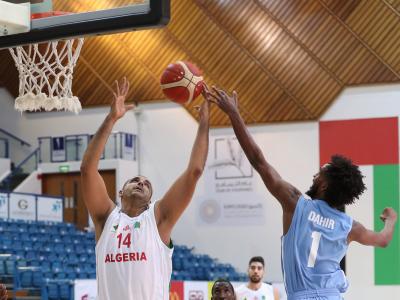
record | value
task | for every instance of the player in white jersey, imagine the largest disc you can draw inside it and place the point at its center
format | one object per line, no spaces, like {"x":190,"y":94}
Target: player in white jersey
{"x":255,"y":289}
{"x":133,"y":244}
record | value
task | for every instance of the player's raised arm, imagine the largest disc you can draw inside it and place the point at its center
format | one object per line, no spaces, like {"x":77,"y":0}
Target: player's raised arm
{"x":178,"y":197}
{"x":94,"y":190}
{"x":283,"y":191}
{"x":368,"y":237}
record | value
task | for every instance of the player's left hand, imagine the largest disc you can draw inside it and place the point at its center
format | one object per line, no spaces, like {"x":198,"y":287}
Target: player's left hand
{"x":388,"y":214}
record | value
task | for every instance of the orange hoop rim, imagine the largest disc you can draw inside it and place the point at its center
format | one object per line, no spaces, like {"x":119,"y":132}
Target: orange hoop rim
{"x":48,"y":14}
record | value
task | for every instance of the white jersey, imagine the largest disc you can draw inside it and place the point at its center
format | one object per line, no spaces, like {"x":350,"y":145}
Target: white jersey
{"x":265,"y":292}
{"x":132,"y":261}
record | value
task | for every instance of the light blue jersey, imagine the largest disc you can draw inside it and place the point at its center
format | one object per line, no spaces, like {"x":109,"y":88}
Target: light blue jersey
{"x":312,"y":250}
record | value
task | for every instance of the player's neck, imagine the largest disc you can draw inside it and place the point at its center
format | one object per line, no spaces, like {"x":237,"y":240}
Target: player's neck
{"x":134,"y":210}
{"x":254,"y":286}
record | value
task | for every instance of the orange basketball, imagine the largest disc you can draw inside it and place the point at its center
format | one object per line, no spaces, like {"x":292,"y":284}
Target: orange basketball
{"x":182,"y":82}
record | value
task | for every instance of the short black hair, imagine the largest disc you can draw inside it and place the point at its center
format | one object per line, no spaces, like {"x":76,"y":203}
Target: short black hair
{"x":344,"y":181}
{"x":151,"y":186}
{"x":259,"y":259}
{"x":222,"y":280}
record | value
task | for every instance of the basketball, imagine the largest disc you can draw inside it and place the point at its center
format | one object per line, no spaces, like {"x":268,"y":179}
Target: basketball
{"x":182,"y":82}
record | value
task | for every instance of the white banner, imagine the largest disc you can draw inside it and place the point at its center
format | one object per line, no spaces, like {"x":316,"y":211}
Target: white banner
{"x":196,"y":290}
{"x":128,"y":146}
{"x":4,"y":205}
{"x":58,"y":152}
{"x":230,"y":198}
{"x":85,"y":289}
{"x":49,"y":209}
{"x":22,"y":206}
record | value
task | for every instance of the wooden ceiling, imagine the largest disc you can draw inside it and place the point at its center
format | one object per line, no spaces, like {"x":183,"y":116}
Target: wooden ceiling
{"x":287,"y":59}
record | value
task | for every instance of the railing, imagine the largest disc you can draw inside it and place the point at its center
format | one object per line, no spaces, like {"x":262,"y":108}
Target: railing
{"x":72,"y":147}
{"x":10,"y":135}
{"x":13,"y":147}
{"x":21,"y":171}
{"x":4,"y":148}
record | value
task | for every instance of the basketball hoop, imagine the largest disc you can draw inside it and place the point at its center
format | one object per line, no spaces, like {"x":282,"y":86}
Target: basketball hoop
{"x":46,"y":73}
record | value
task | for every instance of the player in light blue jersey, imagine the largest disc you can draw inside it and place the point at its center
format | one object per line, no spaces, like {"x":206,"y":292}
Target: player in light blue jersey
{"x":316,"y":233}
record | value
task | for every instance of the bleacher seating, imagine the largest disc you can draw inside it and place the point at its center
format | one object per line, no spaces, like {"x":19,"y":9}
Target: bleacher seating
{"x":190,"y":266}
{"x":45,"y":257}
{"x":48,"y":256}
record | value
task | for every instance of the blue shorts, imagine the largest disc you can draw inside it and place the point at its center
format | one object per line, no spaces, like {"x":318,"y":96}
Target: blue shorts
{"x":327,"y":294}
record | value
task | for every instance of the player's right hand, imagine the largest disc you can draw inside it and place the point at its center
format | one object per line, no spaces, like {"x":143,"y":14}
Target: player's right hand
{"x":227,"y":103}
{"x":388,"y":214}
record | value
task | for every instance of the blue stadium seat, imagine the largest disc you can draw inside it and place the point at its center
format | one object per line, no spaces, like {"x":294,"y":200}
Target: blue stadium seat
{"x":65,"y":291}
{"x":31,"y":255}
{"x":46,"y":267}
{"x":10,"y":266}
{"x":53,"y":291}
{"x":13,"y":227}
{"x":60,"y":275}
{"x":80,"y":249}
{"x":71,"y":275}
{"x":2,"y":267}
{"x":56,"y":265}
{"x":83,"y":258}
{"x":23,"y":226}
{"x":78,"y":271}
{"x":43,"y":238}
{"x":26,"y":278}
{"x":52,"y":257}
{"x":59,"y":248}
{"x":83,"y":275}
{"x":72,"y":259}
{"x":33,"y":229}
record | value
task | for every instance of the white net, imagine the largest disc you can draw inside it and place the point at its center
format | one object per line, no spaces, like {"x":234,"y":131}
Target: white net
{"x":45,"y":75}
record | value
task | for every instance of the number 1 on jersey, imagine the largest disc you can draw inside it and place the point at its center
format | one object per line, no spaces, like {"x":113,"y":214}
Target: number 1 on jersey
{"x":316,"y":237}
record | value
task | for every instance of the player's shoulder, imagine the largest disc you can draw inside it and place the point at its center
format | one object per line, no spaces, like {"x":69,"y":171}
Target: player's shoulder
{"x":267,"y":286}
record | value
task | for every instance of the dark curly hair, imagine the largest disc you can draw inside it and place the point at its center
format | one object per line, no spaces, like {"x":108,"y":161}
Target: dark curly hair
{"x":222,"y":280}
{"x":344,"y":181}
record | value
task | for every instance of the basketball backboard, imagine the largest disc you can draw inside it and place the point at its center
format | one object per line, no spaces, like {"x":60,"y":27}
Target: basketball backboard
{"x":87,"y":17}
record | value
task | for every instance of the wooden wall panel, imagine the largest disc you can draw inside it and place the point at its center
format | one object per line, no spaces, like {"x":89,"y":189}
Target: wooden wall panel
{"x":288,"y":60}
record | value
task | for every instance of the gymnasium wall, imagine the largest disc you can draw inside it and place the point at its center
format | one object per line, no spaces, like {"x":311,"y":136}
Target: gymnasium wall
{"x":4,"y":166}
{"x":166,"y":134}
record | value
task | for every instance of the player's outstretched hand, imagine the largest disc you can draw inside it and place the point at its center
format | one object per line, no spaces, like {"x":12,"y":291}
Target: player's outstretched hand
{"x":118,"y":106}
{"x":227,"y":103}
{"x":388,"y":214}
